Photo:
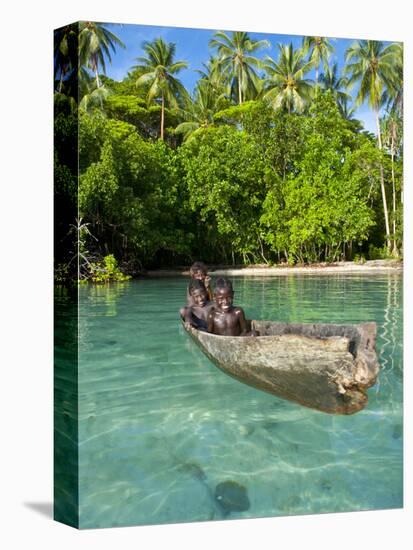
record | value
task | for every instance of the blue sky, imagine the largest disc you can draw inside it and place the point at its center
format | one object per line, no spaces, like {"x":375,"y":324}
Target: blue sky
{"x":192,"y":47}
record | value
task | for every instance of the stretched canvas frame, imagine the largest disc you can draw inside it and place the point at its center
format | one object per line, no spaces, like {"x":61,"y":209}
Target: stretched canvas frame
{"x":67,"y":327}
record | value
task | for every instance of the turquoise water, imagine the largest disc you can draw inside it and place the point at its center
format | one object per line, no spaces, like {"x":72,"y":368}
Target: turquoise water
{"x":160,"y":427}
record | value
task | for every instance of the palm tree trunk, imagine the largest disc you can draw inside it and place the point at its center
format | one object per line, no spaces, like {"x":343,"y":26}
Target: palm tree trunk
{"x":383,"y":189}
{"x":61,"y":81}
{"x":395,"y":251}
{"x":162,"y":116}
{"x":239,"y":90}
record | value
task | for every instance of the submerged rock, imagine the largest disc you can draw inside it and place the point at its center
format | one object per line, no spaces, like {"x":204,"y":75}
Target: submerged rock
{"x":232,"y":497}
{"x":397,"y":431}
{"x":194,"y":469}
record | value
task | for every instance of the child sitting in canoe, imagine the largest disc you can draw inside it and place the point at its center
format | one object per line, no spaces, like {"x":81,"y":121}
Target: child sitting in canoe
{"x":199,"y":272}
{"x":226,"y":319}
{"x":197,"y":314}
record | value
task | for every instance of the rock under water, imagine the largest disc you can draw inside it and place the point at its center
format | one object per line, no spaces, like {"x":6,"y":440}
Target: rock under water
{"x":232,"y":497}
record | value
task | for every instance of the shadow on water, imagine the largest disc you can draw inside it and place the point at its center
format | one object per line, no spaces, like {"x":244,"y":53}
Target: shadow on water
{"x":43,"y":508}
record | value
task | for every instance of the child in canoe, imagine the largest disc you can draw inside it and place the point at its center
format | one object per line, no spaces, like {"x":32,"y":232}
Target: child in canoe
{"x":226,"y":319}
{"x":197,"y":313}
{"x":199,"y":272}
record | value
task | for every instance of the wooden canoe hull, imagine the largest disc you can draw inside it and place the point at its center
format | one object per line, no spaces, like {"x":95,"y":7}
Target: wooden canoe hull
{"x":325,"y":367}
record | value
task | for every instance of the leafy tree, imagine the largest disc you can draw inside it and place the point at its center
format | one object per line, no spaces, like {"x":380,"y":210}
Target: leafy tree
{"x":225,"y":182}
{"x":322,"y":206}
{"x":286,"y":85}
{"x":131,"y":193}
{"x":237,"y":63}
{"x":159,"y":68}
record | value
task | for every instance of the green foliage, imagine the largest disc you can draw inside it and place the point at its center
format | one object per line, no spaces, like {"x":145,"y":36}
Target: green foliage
{"x":376,"y":253}
{"x":260,"y":186}
{"x":286,"y":86}
{"x":323,"y":203}
{"x":134,"y":110}
{"x":131,"y":192}
{"x":107,"y":271}
{"x":359,"y":259}
{"x":61,"y":273}
{"x":238,"y":64}
{"x":253,"y":168}
{"x":225,"y":179}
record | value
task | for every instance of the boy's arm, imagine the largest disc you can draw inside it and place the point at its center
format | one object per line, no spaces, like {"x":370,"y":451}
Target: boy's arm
{"x":242,"y":321}
{"x":186,"y":314}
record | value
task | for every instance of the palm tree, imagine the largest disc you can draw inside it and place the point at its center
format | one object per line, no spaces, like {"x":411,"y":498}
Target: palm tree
{"x":394,"y":93}
{"x":95,"y":44}
{"x":391,"y":129}
{"x":159,"y":68}
{"x":237,"y":63}
{"x":319,"y":50}
{"x":286,"y":84}
{"x":331,"y":81}
{"x":199,"y":111}
{"x":394,"y":102}
{"x":90,"y":96}
{"x":372,"y":65}
{"x":214,"y":76}
{"x":65,"y":54}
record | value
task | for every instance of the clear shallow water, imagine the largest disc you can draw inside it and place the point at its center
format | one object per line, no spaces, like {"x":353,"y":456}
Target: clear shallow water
{"x":160,"y":427}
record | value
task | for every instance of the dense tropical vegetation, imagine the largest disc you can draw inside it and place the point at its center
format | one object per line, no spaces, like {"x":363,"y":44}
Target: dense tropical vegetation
{"x":259,"y":164}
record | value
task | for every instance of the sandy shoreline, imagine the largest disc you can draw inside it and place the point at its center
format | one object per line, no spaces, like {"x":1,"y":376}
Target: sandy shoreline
{"x":371,"y":267}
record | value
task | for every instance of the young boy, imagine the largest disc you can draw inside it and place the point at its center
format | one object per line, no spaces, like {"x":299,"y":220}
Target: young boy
{"x":198,"y":271}
{"x":197,"y":314}
{"x":224,"y":318}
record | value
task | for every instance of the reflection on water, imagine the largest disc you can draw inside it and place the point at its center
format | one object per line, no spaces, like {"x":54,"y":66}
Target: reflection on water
{"x":166,"y":437}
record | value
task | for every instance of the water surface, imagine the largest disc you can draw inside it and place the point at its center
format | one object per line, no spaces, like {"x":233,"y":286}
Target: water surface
{"x":160,"y":427}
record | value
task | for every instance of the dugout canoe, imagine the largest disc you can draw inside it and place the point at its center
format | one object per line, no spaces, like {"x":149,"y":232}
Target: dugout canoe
{"x":326,"y":367}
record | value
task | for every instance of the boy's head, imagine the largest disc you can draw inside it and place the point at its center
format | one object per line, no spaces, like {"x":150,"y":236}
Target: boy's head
{"x":198,"y":292}
{"x":198,"y":271}
{"x":223,"y":294}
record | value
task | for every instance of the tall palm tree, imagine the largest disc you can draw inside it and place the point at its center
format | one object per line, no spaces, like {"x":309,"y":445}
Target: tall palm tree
{"x":394,"y":93}
{"x":286,"y":84}
{"x":331,"y":81}
{"x":394,"y":101}
{"x":95,"y":44}
{"x":199,"y":110}
{"x":318,"y":50}
{"x":237,"y":63}
{"x":159,"y":68}
{"x":65,"y":54}
{"x":214,"y":76}
{"x":391,"y":129}
{"x":372,"y":66}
